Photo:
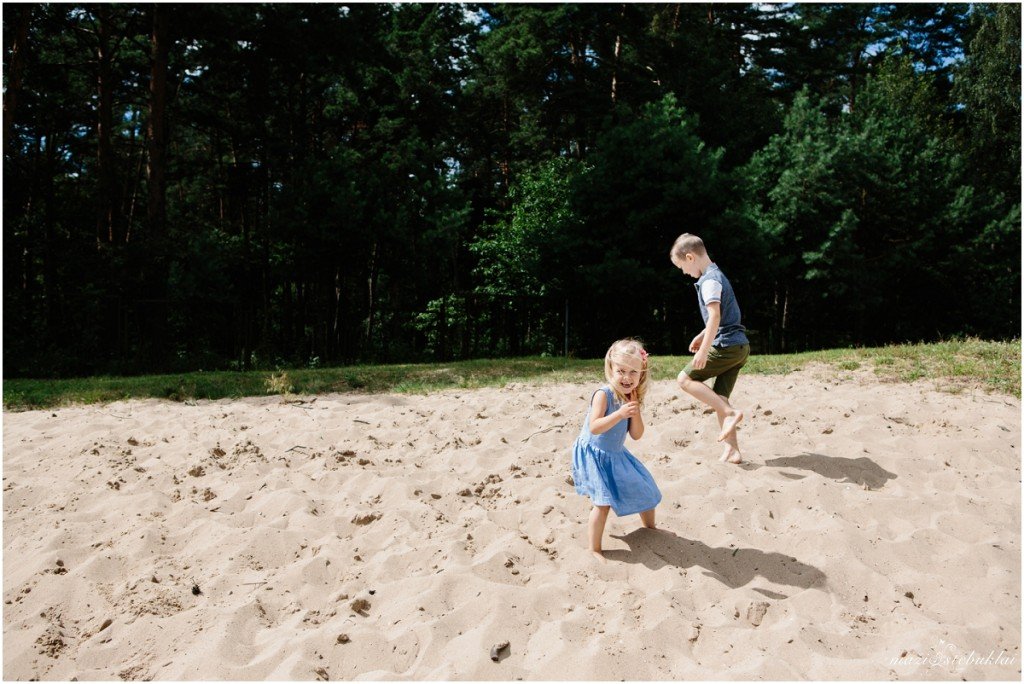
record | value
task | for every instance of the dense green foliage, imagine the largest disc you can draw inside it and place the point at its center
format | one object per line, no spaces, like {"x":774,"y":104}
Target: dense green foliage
{"x":234,"y":186}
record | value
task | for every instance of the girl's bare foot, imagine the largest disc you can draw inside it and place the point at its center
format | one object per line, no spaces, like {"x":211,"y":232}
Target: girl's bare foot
{"x":599,"y":556}
{"x":729,"y":424}
{"x":730,"y":455}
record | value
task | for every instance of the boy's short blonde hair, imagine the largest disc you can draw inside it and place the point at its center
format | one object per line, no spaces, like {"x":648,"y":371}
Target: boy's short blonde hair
{"x":687,"y":244}
{"x":628,"y":352}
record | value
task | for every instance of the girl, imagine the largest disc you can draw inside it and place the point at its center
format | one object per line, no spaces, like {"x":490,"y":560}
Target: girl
{"x":602,"y":468}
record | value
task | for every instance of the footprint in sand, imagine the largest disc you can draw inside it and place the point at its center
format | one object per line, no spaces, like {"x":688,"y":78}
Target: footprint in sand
{"x":238,"y":645}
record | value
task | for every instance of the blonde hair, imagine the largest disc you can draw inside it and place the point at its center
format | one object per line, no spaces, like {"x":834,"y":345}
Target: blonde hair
{"x":687,"y":244}
{"x":628,"y":352}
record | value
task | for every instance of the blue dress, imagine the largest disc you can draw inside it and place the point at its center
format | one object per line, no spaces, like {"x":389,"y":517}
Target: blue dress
{"x":604,"y":470}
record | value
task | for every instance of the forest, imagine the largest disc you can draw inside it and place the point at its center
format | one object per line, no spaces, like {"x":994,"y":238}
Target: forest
{"x":238,"y":186}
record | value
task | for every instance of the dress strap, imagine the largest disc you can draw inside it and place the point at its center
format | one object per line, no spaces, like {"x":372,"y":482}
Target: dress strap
{"x":611,"y":400}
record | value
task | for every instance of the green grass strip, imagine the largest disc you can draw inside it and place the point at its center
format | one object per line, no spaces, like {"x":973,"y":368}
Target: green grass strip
{"x":954,"y":366}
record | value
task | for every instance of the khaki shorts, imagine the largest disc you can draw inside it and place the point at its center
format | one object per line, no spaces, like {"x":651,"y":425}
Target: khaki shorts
{"x":723,"y":365}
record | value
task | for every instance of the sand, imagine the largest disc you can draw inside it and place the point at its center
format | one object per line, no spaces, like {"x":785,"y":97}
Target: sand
{"x":873,"y":534}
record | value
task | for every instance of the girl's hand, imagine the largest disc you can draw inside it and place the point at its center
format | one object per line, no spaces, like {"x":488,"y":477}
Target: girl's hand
{"x":695,"y":342}
{"x":629,"y":410}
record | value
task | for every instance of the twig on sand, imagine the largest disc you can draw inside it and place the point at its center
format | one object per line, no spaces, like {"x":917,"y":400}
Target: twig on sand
{"x":247,"y":584}
{"x":297,"y":446}
{"x":995,"y":401}
{"x":298,"y":402}
{"x":547,"y":429}
{"x":364,"y":422}
{"x":116,"y":416}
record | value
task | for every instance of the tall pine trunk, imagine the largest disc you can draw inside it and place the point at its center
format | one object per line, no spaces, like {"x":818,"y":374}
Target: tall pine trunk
{"x":156,"y":212}
{"x":107,"y":227}
{"x":616,"y":55}
{"x":577,"y":60}
{"x":371,"y":287}
{"x":157,"y":271}
{"x":49,"y":248}
{"x":16,"y":66}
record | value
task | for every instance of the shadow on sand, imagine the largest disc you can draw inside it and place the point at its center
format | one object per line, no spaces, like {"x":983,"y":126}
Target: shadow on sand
{"x":862,"y":471}
{"x":732,"y":567}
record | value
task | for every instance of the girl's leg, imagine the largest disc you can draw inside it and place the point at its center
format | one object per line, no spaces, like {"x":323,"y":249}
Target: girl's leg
{"x":647,"y":518}
{"x":595,"y":528}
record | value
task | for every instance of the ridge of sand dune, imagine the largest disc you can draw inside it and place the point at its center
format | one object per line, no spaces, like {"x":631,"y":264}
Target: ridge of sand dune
{"x":873,"y":534}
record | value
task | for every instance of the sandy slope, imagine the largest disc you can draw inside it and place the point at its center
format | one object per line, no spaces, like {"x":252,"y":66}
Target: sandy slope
{"x":874,"y":534}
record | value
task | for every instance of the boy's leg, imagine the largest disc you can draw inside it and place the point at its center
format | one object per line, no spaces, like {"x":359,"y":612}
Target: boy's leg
{"x":731,"y":452}
{"x":595,"y":528}
{"x":723,"y":365}
{"x":725,"y":412}
{"x":732,"y":360}
{"x":647,"y":518}
{"x":728,"y":363}
{"x":729,"y":424}
{"x":701,"y":392}
{"x":724,"y":384}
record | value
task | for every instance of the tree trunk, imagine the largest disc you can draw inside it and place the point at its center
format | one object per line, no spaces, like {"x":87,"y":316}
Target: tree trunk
{"x":156,"y":335}
{"x":371,"y":286}
{"x":858,"y":55}
{"x":308,"y":345}
{"x":26,"y":248}
{"x":136,"y":182}
{"x":266,"y":276}
{"x":49,"y":249}
{"x":336,"y":338}
{"x":675,"y":26}
{"x":16,"y":66}
{"x":106,"y":222}
{"x":506,"y":162}
{"x":615,"y":57}
{"x":156,"y":212}
{"x":785,"y":319}
{"x":577,"y":59}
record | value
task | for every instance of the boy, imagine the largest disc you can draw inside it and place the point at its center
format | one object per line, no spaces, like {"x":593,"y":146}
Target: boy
{"x":721,"y":349}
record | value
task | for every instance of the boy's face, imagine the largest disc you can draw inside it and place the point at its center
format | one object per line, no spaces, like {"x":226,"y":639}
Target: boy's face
{"x":688,"y":265}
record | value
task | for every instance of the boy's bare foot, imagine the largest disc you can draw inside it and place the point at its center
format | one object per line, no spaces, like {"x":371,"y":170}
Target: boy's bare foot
{"x":599,"y":556}
{"x":730,"y":455}
{"x":730,"y":423}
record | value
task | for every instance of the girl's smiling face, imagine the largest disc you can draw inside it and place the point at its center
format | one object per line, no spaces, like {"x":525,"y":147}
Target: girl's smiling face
{"x":625,"y":377}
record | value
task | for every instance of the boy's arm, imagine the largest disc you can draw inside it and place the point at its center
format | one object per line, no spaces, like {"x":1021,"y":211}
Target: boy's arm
{"x":695,"y":342}
{"x":700,"y":359}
